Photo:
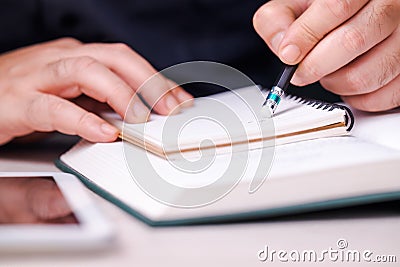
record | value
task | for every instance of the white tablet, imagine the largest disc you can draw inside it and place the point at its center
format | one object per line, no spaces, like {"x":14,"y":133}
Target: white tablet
{"x":49,"y":211}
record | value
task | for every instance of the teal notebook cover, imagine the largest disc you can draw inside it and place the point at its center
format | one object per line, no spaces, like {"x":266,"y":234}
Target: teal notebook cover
{"x":236,"y":217}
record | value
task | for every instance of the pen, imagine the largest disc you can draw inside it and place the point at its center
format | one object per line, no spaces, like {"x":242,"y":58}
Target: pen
{"x":277,"y":91}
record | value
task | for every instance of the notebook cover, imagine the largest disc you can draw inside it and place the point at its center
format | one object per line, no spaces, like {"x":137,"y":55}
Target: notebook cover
{"x":236,"y":217}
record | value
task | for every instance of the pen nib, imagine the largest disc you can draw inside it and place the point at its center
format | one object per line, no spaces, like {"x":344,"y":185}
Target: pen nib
{"x":267,"y":110}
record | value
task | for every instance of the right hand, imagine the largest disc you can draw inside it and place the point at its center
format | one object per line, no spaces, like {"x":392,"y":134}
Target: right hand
{"x":36,"y":81}
{"x":350,"y":46}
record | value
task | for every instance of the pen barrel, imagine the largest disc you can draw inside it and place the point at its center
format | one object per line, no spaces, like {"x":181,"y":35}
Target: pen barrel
{"x":285,"y":77}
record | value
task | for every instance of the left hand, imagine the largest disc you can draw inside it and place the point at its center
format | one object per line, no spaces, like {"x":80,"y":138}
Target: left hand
{"x":351,"y":46}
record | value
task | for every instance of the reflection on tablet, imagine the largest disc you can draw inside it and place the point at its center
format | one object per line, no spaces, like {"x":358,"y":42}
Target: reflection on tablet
{"x":33,"y":200}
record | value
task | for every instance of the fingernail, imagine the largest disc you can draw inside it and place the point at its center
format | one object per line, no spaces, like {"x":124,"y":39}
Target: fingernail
{"x":276,"y":41}
{"x":290,"y":54}
{"x":140,"y":112}
{"x":107,"y":129}
{"x":185,"y":98}
{"x":298,"y":80}
{"x":171,"y":104}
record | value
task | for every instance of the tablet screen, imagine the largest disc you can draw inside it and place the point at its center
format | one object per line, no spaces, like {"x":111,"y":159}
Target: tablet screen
{"x":33,"y":200}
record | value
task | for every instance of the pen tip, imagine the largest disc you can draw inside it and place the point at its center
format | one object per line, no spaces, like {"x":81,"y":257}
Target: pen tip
{"x":267,"y":111}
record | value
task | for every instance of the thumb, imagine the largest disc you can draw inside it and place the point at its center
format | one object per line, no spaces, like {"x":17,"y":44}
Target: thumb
{"x":272,"y":20}
{"x":318,"y":20}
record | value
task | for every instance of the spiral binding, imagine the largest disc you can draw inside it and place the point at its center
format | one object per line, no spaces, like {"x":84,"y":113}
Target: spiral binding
{"x":318,"y":104}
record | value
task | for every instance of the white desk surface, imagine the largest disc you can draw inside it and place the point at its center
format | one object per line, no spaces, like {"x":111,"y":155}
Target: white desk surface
{"x":374,"y":228}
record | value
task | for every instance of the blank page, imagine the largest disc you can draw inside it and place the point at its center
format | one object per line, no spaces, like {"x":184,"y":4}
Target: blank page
{"x":234,"y":117}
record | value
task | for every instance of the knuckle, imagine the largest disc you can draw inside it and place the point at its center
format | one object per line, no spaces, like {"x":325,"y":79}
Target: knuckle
{"x":48,"y":51}
{"x":84,"y":121}
{"x":339,"y":8}
{"x":309,"y":33}
{"x":54,"y":105}
{"x":121,"y":47}
{"x":380,"y":12}
{"x":119,"y":86}
{"x":60,"y":69}
{"x":263,"y":12}
{"x":69,"y":41}
{"x":353,"y":40}
{"x":84,"y":63}
{"x":66,"y":67}
{"x":381,"y":17}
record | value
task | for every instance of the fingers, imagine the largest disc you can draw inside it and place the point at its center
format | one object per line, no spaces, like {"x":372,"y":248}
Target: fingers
{"x":374,"y":23}
{"x":317,"y":21}
{"x":156,"y":91}
{"x":95,"y":80}
{"x":120,"y":60}
{"x":136,"y":71}
{"x":47,"y":112}
{"x":272,"y":20}
{"x":370,"y":72}
{"x":109,"y":73}
{"x":184,"y":98}
{"x":386,"y":98}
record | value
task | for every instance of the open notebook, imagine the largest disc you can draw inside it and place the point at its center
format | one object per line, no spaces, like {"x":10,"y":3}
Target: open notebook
{"x":235,"y":118}
{"x":305,"y":176}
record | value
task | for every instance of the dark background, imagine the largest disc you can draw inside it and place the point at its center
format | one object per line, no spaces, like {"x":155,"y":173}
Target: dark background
{"x":165,"y":32}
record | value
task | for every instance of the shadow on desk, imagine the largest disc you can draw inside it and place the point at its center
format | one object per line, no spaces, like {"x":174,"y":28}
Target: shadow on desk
{"x":368,"y":211}
{"x":45,"y":148}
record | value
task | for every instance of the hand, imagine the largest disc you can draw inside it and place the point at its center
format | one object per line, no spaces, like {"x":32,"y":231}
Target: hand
{"x":351,"y":46}
{"x":35,"y":83}
{"x":32,"y":200}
